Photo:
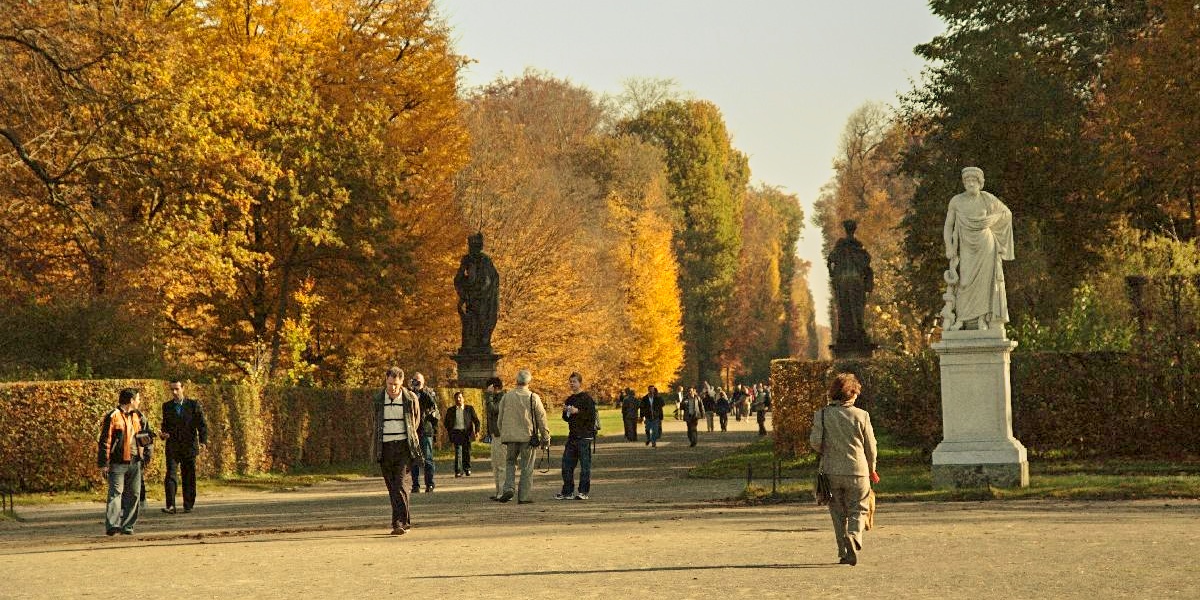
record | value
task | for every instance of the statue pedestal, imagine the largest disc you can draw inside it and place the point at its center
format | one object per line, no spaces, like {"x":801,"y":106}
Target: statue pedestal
{"x":978,"y":447}
{"x":475,"y":368}
{"x":853,"y":350}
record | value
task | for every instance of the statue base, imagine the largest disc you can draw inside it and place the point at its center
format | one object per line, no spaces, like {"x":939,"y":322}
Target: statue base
{"x":853,"y":350}
{"x":475,"y":368}
{"x":978,"y":447}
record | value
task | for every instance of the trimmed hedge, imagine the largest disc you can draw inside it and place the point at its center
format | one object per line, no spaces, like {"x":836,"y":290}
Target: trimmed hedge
{"x":1074,"y":405}
{"x":48,"y":430}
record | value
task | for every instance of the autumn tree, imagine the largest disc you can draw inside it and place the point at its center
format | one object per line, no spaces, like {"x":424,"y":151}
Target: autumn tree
{"x":708,"y":179}
{"x":1147,"y":102}
{"x":1008,"y":90}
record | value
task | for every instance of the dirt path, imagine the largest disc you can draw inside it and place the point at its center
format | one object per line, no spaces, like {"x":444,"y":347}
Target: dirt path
{"x":647,"y":532}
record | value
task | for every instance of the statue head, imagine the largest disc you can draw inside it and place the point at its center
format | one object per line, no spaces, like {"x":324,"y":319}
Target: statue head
{"x":850,"y":225}
{"x":972,"y":178}
{"x":475,"y":243}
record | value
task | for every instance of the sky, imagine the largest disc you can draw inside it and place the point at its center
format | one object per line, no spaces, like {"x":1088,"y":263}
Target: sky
{"x":786,"y":74}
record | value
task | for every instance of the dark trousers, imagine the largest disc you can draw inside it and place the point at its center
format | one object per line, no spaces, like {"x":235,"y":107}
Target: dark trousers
{"x":462,"y":451}
{"x":630,"y":428}
{"x":762,"y":423}
{"x":180,"y":466}
{"x":578,"y":451}
{"x":724,"y":420}
{"x":427,"y":450}
{"x":394,"y":463}
{"x":693,"y":430}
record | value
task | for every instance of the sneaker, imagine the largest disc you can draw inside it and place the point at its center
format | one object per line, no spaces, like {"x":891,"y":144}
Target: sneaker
{"x":456,"y":475}
{"x":169,"y":511}
{"x":429,"y":489}
{"x":467,"y":473}
{"x":505,"y":497}
{"x":561,"y":496}
{"x":581,"y":496}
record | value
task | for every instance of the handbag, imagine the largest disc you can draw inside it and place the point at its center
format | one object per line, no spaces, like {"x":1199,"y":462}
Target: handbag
{"x":535,"y":440}
{"x":822,"y":490}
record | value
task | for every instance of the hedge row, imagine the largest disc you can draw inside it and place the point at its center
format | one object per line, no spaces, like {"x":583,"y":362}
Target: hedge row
{"x":1074,"y":405}
{"x":48,"y":430}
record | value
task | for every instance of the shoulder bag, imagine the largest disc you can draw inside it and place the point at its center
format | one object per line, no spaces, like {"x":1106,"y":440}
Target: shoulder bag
{"x":822,"y":491}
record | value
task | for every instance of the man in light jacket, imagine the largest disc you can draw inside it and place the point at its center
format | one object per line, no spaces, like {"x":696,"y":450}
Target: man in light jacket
{"x":396,"y":442}
{"x":842,"y":434}
{"x":521,"y":415}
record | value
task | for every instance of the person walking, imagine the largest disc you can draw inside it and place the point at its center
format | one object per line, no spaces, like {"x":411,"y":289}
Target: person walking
{"x":652,"y":415}
{"x":430,"y":415}
{"x":630,"y":407}
{"x":693,"y":410}
{"x":762,"y":403}
{"x":122,"y":449}
{"x":843,"y":436}
{"x":523,"y":429}
{"x":723,"y":408}
{"x":396,"y":443}
{"x":579,"y":411}
{"x":491,"y":400}
{"x":462,"y":427}
{"x":709,"y":398}
{"x":185,"y":431}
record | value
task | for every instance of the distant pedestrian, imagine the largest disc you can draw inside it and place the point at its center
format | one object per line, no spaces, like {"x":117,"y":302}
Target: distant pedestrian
{"x":723,"y":408}
{"x":491,"y":400}
{"x":185,"y":431}
{"x":709,"y":397}
{"x":430,"y":416}
{"x":123,"y":448}
{"x":693,"y":410}
{"x":579,"y":411}
{"x":523,"y":429}
{"x":843,"y":436}
{"x":678,"y":398}
{"x":629,"y":414}
{"x":396,"y":443}
{"x":762,"y":404}
{"x":739,"y":395}
{"x":652,"y":415}
{"x":462,"y":426}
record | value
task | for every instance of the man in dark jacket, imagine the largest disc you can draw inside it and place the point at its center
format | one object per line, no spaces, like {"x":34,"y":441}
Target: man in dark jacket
{"x":652,"y":414}
{"x":184,"y":430}
{"x":430,"y":415}
{"x":395,"y":442}
{"x":629,"y":414}
{"x":462,"y":426}
{"x":122,"y":449}
{"x":579,"y":411}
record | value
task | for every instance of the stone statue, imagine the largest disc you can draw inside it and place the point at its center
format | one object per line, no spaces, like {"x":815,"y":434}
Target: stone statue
{"x":478,"y":285}
{"x":978,"y":235}
{"x":850,"y":273}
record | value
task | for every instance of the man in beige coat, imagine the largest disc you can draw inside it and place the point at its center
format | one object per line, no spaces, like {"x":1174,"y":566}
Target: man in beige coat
{"x":846,"y":441}
{"x":521,"y":414}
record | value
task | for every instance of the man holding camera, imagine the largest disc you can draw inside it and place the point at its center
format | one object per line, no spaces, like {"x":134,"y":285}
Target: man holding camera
{"x":184,"y":430}
{"x":430,"y":416}
{"x":579,"y":411}
{"x":523,"y":429}
{"x":122,"y":450}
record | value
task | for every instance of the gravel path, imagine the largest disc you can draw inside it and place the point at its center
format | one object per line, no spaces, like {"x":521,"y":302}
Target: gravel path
{"x":647,"y":532}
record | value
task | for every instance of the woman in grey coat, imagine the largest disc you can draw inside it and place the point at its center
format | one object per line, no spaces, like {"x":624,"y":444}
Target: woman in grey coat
{"x":843,"y":436}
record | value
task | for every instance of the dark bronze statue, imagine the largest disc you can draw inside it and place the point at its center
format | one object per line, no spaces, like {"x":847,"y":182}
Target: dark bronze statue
{"x":478,"y":285}
{"x":852,"y":279}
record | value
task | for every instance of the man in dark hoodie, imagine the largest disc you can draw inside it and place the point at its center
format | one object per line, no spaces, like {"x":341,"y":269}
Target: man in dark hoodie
{"x":579,"y":411}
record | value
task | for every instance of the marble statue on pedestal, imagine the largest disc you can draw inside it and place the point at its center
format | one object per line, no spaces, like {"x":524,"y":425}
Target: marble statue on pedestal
{"x":979,"y":236}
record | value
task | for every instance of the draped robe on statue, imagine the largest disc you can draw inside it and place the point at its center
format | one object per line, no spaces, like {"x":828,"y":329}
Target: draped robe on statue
{"x":983,"y":237}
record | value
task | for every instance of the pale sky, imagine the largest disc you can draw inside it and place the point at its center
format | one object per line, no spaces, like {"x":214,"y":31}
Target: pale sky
{"x":786,"y":74}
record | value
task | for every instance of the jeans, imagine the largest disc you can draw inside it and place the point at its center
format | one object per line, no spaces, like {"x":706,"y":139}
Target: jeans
{"x":180,"y":466}
{"x":653,"y":430}
{"x":124,"y":491}
{"x":394,"y":463}
{"x":709,"y":417}
{"x":519,"y":453}
{"x":427,"y":457}
{"x":578,"y":451}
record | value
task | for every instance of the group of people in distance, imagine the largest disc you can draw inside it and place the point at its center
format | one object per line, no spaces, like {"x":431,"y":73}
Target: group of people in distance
{"x":406,"y":421}
{"x":692,"y":405}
